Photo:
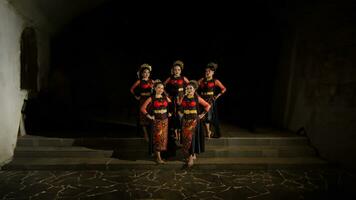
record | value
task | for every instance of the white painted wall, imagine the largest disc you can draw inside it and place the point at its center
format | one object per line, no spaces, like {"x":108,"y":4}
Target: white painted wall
{"x":45,"y":17}
{"x":12,"y":23}
{"x":11,"y":98}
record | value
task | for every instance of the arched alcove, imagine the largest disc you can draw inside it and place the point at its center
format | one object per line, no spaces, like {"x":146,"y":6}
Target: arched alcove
{"x":29,"y":63}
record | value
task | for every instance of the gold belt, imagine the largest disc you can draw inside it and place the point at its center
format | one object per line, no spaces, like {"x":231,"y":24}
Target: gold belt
{"x":190,"y":111}
{"x":208,"y":93}
{"x":160,"y":111}
{"x":146,"y":94}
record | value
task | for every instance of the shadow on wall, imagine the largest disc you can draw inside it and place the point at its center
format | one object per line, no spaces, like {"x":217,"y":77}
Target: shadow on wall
{"x":58,"y":111}
{"x":46,"y":116}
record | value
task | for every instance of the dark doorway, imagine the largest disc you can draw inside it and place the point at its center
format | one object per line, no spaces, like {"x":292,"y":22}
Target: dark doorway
{"x":29,"y":64}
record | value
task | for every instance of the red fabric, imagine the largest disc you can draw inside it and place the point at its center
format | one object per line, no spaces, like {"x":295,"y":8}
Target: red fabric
{"x":188,"y":104}
{"x":158,"y":104}
{"x":211,"y":85}
{"x":146,"y":85}
{"x":205,"y":104}
{"x":176,"y":82}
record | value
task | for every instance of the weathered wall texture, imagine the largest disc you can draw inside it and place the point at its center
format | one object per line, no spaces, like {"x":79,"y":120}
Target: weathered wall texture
{"x":318,"y":77}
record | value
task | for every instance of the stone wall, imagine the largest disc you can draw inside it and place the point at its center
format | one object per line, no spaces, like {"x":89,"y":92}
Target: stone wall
{"x":12,"y":23}
{"x":318,"y":79}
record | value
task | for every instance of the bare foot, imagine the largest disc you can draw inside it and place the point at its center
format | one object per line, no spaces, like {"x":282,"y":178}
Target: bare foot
{"x":146,"y":138}
{"x":160,"y":161}
{"x":209,"y":134}
{"x":178,"y":144}
{"x":190,"y":162}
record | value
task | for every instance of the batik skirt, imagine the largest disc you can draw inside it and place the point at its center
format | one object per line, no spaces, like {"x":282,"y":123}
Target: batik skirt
{"x":160,"y":134}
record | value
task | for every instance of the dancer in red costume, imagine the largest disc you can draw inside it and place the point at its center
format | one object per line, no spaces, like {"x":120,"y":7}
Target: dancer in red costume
{"x":175,"y":85}
{"x":207,"y":90}
{"x":142,"y":89}
{"x":189,"y":111}
{"x":159,"y":119}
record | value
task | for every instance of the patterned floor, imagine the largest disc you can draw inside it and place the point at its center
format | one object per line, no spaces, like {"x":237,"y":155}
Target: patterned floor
{"x":181,"y":184}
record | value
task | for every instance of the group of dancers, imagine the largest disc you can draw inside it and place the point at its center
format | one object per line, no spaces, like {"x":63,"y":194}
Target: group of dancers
{"x":171,"y":112}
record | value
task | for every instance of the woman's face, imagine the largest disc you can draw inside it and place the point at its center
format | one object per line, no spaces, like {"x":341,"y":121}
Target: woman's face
{"x":189,"y":89}
{"x":209,"y":73}
{"x":177,"y":70}
{"x":159,"y":89}
{"x":145,"y":73}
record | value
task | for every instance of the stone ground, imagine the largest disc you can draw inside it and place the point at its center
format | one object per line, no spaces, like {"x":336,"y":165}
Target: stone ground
{"x":178,"y":184}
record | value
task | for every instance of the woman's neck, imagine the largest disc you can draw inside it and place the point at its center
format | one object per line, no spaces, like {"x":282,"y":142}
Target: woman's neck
{"x":209,"y":78}
{"x":145,"y":79}
{"x":190,"y":95}
{"x":158,"y":95}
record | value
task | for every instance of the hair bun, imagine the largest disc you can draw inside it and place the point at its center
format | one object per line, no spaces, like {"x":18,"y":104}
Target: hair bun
{"x":147,"y":66}
{"x":212,"y":65}
{"x":156,"y":82}
{"x":179,"y":63}
{"x":194,"y":83}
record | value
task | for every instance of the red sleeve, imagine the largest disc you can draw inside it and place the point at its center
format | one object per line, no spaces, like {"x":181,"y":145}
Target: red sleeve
{"x":132,"y":90}
{"x":166,"y":81}
{"x":199,"y":82}
{"x":220,"y":85}
{"x":143,"y":108}
{"x":205,"y":104}
{"x":179,"y":100}
{"x":151,"y":83}
{"x":185,"y":80}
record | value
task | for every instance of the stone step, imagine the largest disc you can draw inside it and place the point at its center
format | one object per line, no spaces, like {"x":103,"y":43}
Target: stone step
{"x":58,"y":152}
{"x":200,"y":163}
{"x":259,"y":151}
{"x":246,"y":151}
{"x":211,"y":151}
{"x":243,"y":151}
{"x":137,"y":142}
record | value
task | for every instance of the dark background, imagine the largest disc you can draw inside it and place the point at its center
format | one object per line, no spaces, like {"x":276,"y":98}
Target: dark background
{"x":95,"y":57}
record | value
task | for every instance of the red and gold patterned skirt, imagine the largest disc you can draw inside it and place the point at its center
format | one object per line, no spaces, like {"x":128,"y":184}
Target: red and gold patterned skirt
{"x":160,"y":134}
{"x":188,"y":131}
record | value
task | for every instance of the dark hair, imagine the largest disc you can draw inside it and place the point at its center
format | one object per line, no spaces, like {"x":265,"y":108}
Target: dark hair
{"x":194,"y":83}
{"x":178,"y":63}
{"x":143,"y":69}
{"x":157,"y":82}
{"x":213,"y":66}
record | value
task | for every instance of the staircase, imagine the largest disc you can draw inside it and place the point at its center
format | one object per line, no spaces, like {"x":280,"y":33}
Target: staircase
{"x":263,"y":152}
